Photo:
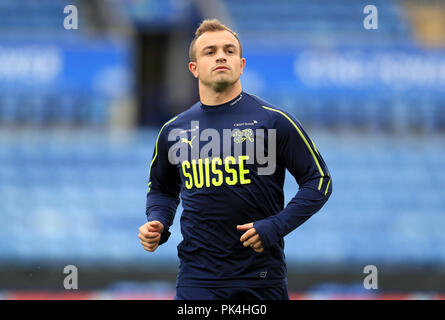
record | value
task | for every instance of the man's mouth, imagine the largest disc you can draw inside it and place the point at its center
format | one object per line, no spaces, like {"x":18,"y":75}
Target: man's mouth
{"x":221,"y":68}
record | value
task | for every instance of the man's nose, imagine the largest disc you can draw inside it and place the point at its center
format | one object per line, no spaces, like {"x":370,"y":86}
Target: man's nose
{"x":221,"y":58}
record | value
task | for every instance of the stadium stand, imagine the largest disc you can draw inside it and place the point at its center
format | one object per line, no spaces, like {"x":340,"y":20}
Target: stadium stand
{"x":50,"y":76}
{"x":329,"y":69}
{"x":331,"y":23}
{"x":388,"y":205}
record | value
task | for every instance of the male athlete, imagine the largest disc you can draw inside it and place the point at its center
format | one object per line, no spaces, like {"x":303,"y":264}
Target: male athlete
{"x":227,"y":155}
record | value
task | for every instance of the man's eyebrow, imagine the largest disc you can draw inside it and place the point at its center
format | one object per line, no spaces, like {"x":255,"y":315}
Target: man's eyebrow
{"x":213,"y":46}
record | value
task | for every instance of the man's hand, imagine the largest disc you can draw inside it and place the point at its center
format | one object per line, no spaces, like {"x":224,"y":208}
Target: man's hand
{"x":250,"y":237}
{"x":150,"y":235}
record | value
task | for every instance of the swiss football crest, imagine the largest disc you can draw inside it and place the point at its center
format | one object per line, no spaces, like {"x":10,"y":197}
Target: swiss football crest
{"x":240,"y":136}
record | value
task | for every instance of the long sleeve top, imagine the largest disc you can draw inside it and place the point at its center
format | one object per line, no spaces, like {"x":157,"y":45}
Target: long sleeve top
{"x":228,"y":164}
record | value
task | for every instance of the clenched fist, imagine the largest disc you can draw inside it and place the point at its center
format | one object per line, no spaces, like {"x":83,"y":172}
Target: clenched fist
{"x":150,"y":235}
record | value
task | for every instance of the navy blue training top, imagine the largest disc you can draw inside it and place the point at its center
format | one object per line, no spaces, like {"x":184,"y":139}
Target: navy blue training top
{"x":228,"y":163}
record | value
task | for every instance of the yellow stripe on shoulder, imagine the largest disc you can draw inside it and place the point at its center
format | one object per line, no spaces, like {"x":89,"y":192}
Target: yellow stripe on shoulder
{"x":156,"y":147}
{"x":305,"y":141}
{"x":315,"y":148}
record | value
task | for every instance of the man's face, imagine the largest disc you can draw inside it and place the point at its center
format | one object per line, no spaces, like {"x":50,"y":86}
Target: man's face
{"x":218,"y":63}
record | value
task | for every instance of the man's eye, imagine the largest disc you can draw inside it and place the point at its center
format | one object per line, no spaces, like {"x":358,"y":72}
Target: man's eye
{"x":209,"y":52}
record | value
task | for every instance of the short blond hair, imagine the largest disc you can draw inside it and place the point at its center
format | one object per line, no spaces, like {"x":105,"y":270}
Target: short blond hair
{"x":210,"y":25}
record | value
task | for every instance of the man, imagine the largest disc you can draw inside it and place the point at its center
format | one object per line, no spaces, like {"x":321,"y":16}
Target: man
{"x":227,"y":155}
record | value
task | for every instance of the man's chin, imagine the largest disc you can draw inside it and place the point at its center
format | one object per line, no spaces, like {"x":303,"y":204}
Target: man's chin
{"x":221,"y":86}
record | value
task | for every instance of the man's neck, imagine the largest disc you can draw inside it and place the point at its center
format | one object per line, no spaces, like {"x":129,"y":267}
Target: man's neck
{"x":212,"y":98}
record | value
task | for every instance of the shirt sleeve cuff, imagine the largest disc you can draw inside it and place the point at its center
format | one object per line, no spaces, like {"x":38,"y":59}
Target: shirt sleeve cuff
{"x":265,"y":230}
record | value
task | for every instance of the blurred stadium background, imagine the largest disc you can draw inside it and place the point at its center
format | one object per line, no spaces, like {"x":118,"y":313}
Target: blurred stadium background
{"x":80,"y":111}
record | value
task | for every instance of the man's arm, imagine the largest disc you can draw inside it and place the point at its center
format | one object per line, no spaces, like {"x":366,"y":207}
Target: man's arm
{"x":300,"y":156}
{"x":163,"y":188}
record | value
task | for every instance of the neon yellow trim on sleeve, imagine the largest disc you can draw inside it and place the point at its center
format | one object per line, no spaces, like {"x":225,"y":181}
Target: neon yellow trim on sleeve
{"x":327,"y":187}
{"x":156,"y":148}
{"x":315,"y":148}
{"x":305,"y":141}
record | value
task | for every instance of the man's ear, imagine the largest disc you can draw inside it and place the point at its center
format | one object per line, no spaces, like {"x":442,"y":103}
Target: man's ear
{"x":243,"y":64}
{"x":193,"y":69}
